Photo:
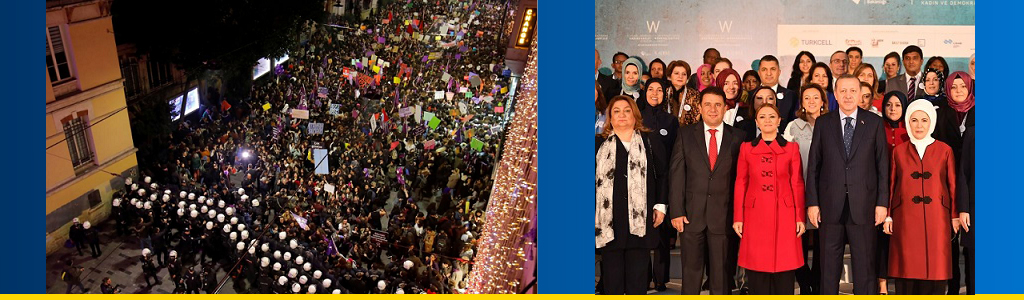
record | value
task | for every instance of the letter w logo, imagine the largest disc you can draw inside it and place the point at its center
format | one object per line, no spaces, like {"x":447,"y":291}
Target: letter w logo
{"x":652,"y":26}
{"x":725,"y":26}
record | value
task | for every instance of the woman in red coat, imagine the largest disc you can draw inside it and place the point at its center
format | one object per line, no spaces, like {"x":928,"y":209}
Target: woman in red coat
{"x":923,"y":215}
{"x":769,"y":207}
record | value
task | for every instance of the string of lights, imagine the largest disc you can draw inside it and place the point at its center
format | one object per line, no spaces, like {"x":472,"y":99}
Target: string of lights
{"x":504,"y":243}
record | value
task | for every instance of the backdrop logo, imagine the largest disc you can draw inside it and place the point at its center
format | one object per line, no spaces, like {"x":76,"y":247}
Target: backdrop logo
{"x":794,"y":42}
{"x":816,"y":42}
{"x":652,"y":26}
{"x":852,"y":43}
{"x":725,"y":26}
{"x":875,"y":42}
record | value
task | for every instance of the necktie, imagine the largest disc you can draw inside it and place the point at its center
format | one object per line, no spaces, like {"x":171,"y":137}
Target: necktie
{"x":912,"y":89}
{"x":848,"y":135}
{"x":713,"y":148}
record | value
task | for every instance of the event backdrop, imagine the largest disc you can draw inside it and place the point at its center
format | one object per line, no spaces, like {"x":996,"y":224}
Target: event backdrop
{"x":743,"y":31}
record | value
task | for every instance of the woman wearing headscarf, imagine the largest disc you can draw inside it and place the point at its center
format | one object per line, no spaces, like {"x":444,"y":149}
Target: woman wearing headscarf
{"x":729,"y":81}
{"x":630,"y":202}
{"x":751,"y":80}
{"x":895,"y":133}
{"x":970,"y":66}
{"x":631,"y":85}
{"x":704,"y":77}
{"x":822,"y":75}
{"x":957,"y":113}
{"x":768,"y":208}
{"x":893,"y":112}
{"x":683,"y":102}
{"x":653,"y":111}
{"x":922,"y":214}
{"x":657,"y":68}
{"x":801,"y":69}
{"x":955,"y":116}
{"x":933,"y":86}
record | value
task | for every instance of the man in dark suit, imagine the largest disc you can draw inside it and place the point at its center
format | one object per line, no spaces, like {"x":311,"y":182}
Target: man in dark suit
{"x":702,"y":174}
{"x":769,"y":70}
{"x":965,"y":204}
{"x":912,"y":80}
{"x":847,"y":188}
{"x":609,"y":86}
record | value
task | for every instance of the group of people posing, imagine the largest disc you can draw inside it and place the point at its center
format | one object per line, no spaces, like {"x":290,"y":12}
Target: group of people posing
{"x":754,"y":178}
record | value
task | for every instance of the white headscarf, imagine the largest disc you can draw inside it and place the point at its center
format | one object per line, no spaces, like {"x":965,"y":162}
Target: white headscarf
{"x":928,"y":108}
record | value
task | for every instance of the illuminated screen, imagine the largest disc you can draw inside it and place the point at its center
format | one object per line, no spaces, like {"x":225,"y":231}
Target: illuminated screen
{"x":262,"y":67}
{"x":176,"y":108}
{"x":281,"y":60}
{"x":192,"y":101}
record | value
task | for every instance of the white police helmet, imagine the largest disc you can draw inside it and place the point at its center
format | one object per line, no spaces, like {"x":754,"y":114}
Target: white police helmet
{"x":311,"y":289}
{"x":194,"y":214}
{"x":407,"y":264}
{"x":191,"y":196}
{"x":336,"y":291}
{"x":303,"y":279}
{"x":241,"y":191}
{"x":277,"y":254}
{"x":220,"y":218}
{"x":296,"y":287}
{"x":299,"y":260}
{"x":233,"y":236}
{"x":182,"y":194}
{"x":287,"y":256}
{"x":292,"y":273}
{"x":382,"y":285}
{"x":128,"y":181}
{"x":245,"y":236}
{"x":146,"y":252}
{"x":166,"y":198}
{"x":229,"y":211}
{"x":174,"y":254}
{"x":240,"y":246}
{"x":282,"y":280}
{"x":227,"y":228}
{"x":204,"y":209}
{"x":147,"y":179}
{"x":86,"y":225}
{"x":209,"y":225}
{"x":282,"y":235}
{"x":317,"y":274}
{"x":293,"y":244}
{"x":265,"y":247}
{"x":264,"y":262}
{"x":307,"y":266}
{"x":241,"y":227}
{"x":116,"y":202}
{"x":277,"y":267}
{"x":255,"y":202}
{"x":221,"y":203}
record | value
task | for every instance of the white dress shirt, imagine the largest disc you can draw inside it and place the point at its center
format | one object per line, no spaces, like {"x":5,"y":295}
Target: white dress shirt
{"x":842,"y":120}
{"x":718,"y":136}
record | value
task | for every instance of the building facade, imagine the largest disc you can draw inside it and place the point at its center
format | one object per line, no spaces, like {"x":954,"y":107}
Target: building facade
{"x":89,"y":147}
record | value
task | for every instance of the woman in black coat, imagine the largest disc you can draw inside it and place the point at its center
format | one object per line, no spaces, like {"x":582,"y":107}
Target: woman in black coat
{"x":630,"y":204}
{"x":655,"y":114}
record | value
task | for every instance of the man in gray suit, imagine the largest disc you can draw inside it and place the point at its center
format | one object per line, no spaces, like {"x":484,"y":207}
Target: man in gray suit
{"x":912,"y":80}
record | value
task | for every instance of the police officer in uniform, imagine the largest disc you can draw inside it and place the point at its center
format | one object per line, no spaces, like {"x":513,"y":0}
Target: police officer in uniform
{"x":174,"y":268}
{"x":191,"y":280}
{"x":148,"y":268}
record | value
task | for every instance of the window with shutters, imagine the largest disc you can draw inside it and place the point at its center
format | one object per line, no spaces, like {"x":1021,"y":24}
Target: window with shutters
{"x":57,"y":63}
{"x":132,"y":78}
{"x":159,"y":73}
{"x":76,"y":132}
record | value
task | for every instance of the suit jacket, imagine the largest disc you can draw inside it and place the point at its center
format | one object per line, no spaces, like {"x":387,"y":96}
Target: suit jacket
{"x":863,"y":177}
{"x":656,"y":189}
{"x":899,"y":83}
{"x":703,"y":195}
{"x":787,"y":104}
{"x":947,"y":129}
{"x":965,"y":183}
{"x":609,"y":86}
